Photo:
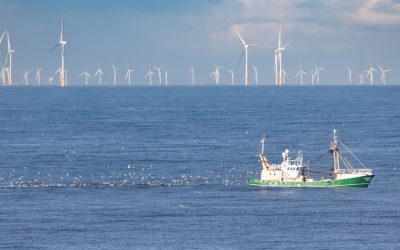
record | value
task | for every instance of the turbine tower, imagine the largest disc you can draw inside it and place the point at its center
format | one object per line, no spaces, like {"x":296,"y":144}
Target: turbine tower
{"x":128,"y":75}
{"x":216,"y":73}
{"x":61,"y":43}
{"x":361,"y":79}
{"x":86,"y":75}
{"x":301,"y":73}
{"x":37,"y":77}
{"x":278,"y":59}
{"x":166,"y":77}
{"x":349,"y":71}
{"x":99,"y":73}
{"x":255,"y":74}
{"x":232,"y":76}
{"x":246,"y":56}
{"x":115,"y":73}
{"x":384,"y":71}
{"x":192,"y":70}
{"x":370,"y":73}
{"x":149,"y":75}
{"x":159,"y":74}
{"x":26,"y":76}
{"x":10,"y":51}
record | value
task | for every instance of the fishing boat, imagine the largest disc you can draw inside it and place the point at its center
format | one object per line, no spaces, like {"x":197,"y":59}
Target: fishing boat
{"x":294,"y":173}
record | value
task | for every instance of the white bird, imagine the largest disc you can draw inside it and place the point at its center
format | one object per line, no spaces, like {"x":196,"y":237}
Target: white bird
{"x":255,"y":74}
{"x":301,"y":73}
{"x":26,"y":76}
{"x":370,"y":73}
{"x":349,"y":71}
{"x":216,"y":73}
{"x":278,"y":59}
{"x":192,"y":70}
{"x":159,"y":74}
{"x":246,"y":55}
{"x":128,"y":75}
{"x":99,"y":73}
{"x":86,"y":75}
{"x":149,"y":75}
{"x":37,"y":77}
{"x":114,"y":72}
{"x":232,"y":76}
{"x":61,"y":43}
{"x":384,"y":71}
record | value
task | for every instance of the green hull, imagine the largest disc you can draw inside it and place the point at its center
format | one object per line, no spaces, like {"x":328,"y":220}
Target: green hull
{"x":361,"y":182}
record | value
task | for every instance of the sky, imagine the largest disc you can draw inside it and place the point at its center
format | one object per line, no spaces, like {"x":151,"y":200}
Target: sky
{"x":181,"y":34}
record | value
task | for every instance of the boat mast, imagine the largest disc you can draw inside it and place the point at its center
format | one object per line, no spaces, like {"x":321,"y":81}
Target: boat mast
{"x":335,"y":153}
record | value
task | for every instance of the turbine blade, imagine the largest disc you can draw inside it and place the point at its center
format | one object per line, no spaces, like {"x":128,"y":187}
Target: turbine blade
{"x":240,"y":59}
{"x":240,"y":37}
{"x":54,"y":47}
{"x":8,"y":41}
{"x":62,"y":30}
{"x":286,"y":45}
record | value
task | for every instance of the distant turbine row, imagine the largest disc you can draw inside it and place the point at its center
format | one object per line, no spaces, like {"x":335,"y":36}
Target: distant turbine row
{"x":280,"y":73}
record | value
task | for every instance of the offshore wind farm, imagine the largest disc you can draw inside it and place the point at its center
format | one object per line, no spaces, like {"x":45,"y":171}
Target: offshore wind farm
{"x":280,"y":76}
{"x":142,"y":124}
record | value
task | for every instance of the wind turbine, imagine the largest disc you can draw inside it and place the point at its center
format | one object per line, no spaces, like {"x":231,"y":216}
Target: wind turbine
{"x":278,"y":59}
{"x":284,"y":76}
{"x":61,"y":43}
{"x":383,"y":77}
{"x":361,"y":78}
{"x":316,"y":72}
{"x":217,"y":73}
{"x":255,"y":74}
{"x":115,"y":73}
{"x":232,"y":76}
{"x":26,"y":76}
{"x":192,"y":70}
{"x":301,"y":73}
{"x":37,"y":77}
{"x":10,"y":51}
{"x":370,"y":73}
{"x":159,"y":74}
{"x":3,"y":75}
{"x":312,"y":76}
{"x":99,"y":73}
{"x":128,"y":75}
{"x":349,"y":71}
{"x":246,"y":56}
{"x":149,"y":75}
{"x":86,"y":75}
{"x":166,"y":77}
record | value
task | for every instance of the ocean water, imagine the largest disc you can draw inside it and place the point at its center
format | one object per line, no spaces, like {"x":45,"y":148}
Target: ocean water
{"x":166,"y":167}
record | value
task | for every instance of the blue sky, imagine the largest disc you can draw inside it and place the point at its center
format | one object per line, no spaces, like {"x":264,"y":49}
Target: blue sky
{"x":178,"y":34}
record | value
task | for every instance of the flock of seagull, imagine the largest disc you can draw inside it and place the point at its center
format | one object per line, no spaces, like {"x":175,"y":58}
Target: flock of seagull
{"x":6,"y":76}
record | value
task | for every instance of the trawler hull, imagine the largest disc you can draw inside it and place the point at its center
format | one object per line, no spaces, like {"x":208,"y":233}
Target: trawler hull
{"x":356,"y":182}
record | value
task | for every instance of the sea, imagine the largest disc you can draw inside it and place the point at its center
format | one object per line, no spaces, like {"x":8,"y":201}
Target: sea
{"x":166,"y":167}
